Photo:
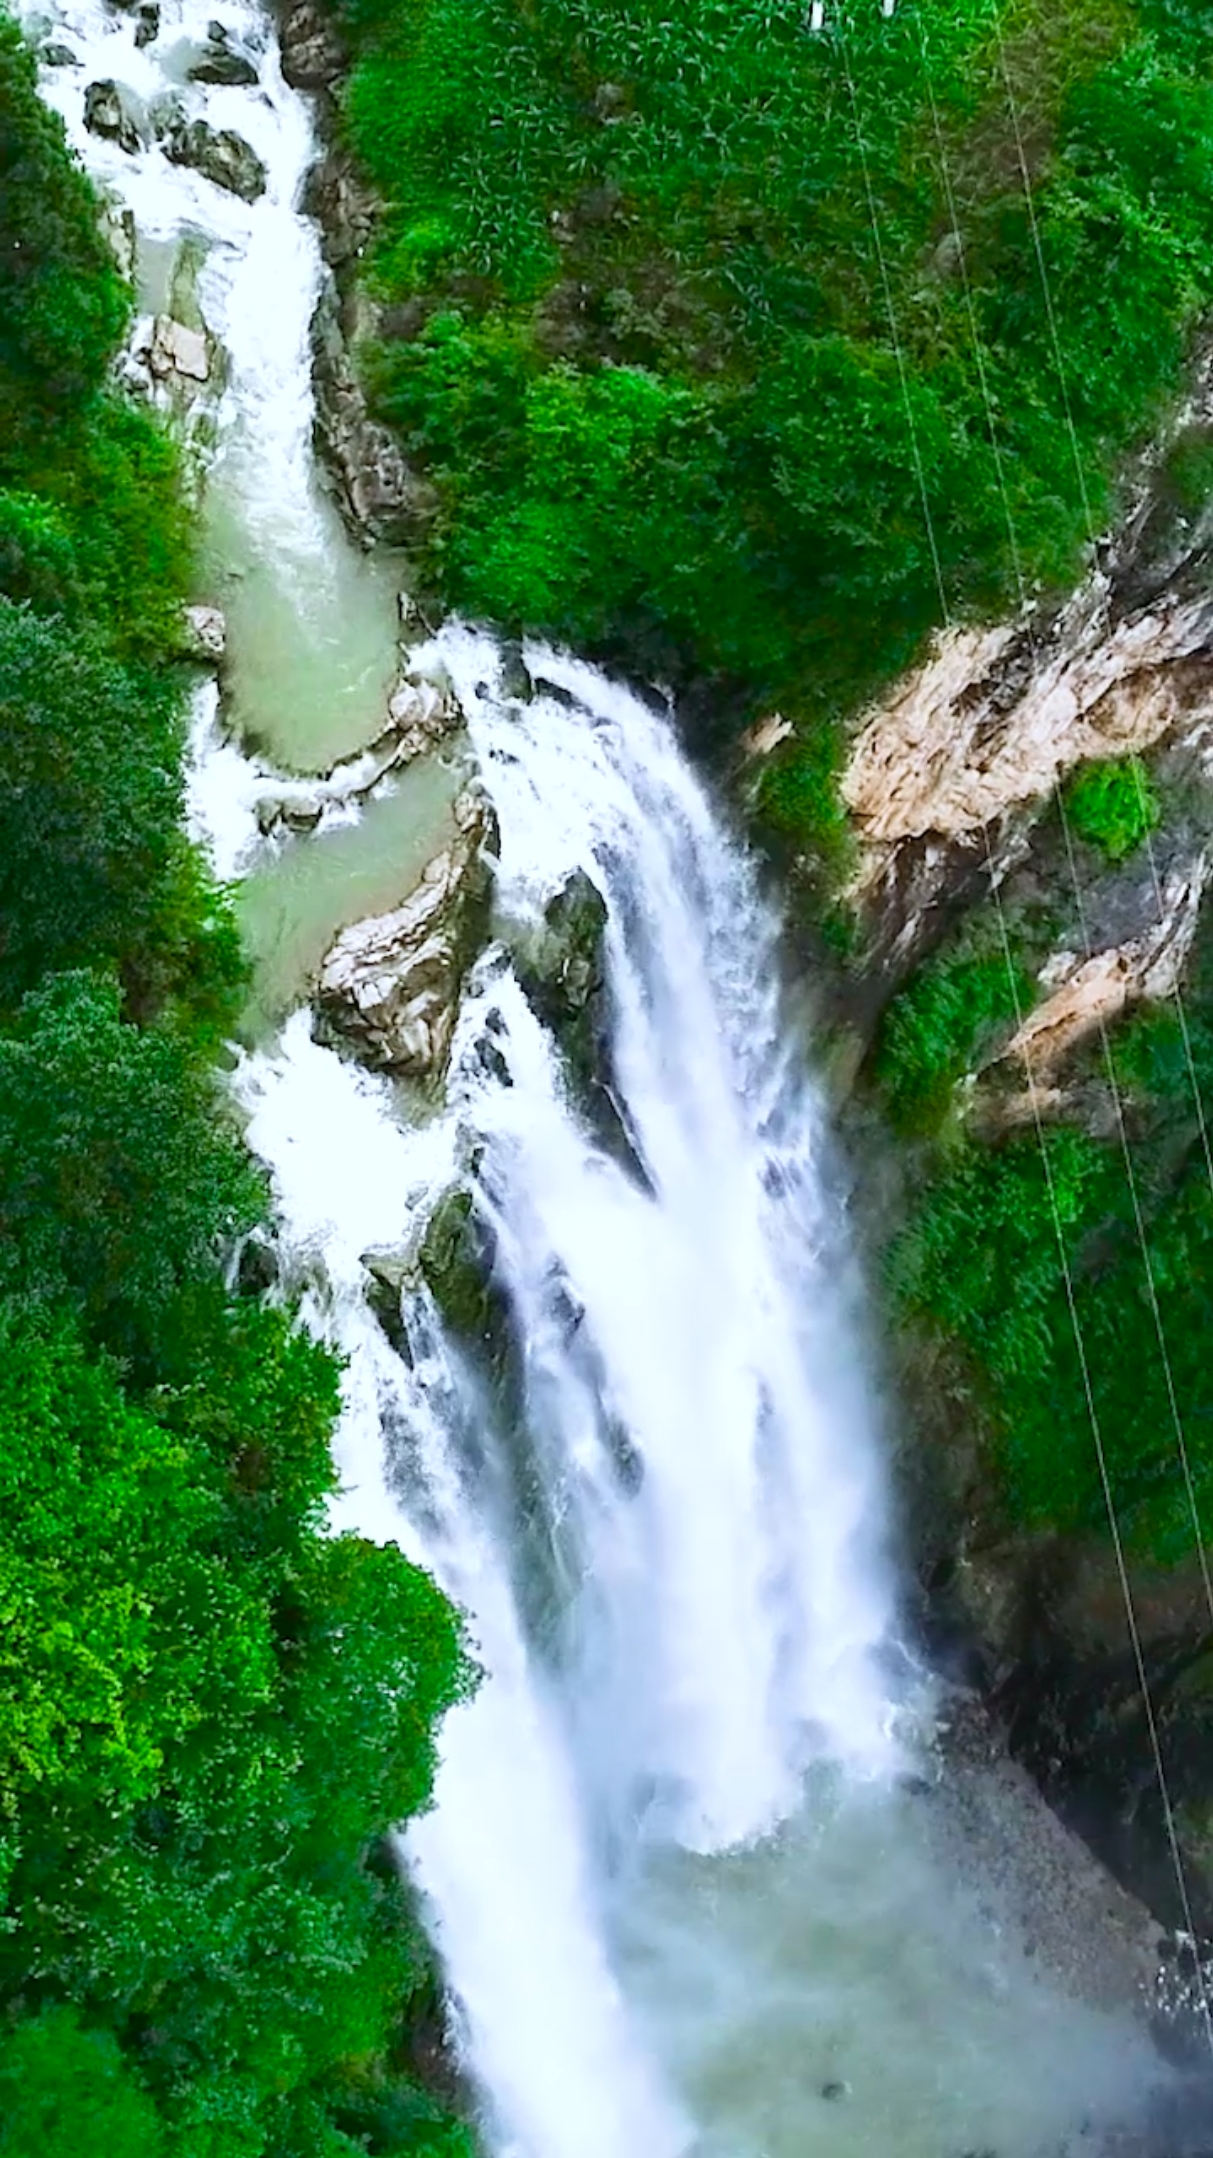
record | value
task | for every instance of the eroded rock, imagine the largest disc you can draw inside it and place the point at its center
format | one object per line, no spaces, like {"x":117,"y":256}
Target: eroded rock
{"x":115,"y":114}
{"x":203,"y":635}
{"x":175,"y":349}
{"x":1142,"y":925}
{"x":390,"y":985}
{"x":313,"y":55}
{"x":118,"y":225}
{"x":222,"y":61}
{"x":219,"y":153}
{"x":380,"y":498}
{"x":947,"y":775}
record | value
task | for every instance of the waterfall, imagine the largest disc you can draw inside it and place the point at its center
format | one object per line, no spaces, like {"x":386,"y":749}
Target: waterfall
{"x":666,"y":1649}
{"x":685,"y":1904}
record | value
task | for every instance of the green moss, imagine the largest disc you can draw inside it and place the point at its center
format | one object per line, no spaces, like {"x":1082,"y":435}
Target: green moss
{"x":937,"y":1029}
{"x":1186,"y":479}
{"x":798,"y":800}
{"x":1112,"y":806}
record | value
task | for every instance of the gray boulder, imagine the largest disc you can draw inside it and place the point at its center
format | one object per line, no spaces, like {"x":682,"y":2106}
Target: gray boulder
{"x":147,"y":23}
{"x":313,"y":56}
{"x":218,"y":153}
{"x":116,"y":115}
{"x":222,"y":61}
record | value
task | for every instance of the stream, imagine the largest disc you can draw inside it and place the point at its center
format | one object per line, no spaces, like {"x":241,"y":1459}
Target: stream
{"x":701,"y":1879}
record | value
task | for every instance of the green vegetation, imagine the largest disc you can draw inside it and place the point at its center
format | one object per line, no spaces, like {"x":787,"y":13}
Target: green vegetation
{"x":635,"y":325}
{"x":211,"y":1712}
{"x":979,"y":1269}
{"x":937,"y":1030}
{"x":1112,"y":806}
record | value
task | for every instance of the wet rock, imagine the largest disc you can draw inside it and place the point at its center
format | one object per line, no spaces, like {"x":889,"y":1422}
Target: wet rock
{"x":343,"y":207}
{"x":175,"y":349}
{"x":836,"y":2089}
{"x":257,"y":1268}
{"x":115,"y":114}
{"x":515,"y":676}
{"x":455,"y":1260}
{"x":388,"y":1271}
{"x":222,"y":61}
{"x":379,"y":497}
{"x":118,"y":226}
{"x":220,"y":154}
{"x":565,"y":967}
{"x":562,"y":968}
{"x":56,"y":55}
{"x":147,"y":23}
{"x":391,"y":985}
{"x":203,"y":635}
{"x":422,"y":716}
{"x":313,"y":54}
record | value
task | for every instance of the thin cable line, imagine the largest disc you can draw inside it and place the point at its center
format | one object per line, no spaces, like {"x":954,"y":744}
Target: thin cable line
{"x":1063,"y":1255}
{"x":1092,"y":538}
{"x":1122,"y":1129}
{"x":1067,"y":836}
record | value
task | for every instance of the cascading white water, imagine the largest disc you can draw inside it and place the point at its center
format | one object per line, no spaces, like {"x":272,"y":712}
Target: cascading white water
{"x":668,"y":1846}
{"x":715,"y":1621}
{"x":312,"y":622}
{"x":682,"y":1900}
{"x":261,"y":275}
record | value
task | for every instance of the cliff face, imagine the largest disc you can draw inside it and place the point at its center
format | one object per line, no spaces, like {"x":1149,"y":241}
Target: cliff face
{"x":969,"y":792}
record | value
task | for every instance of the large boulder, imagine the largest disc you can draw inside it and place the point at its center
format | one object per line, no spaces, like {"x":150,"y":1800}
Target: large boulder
{"x":565,"y":967}
{"x":379,"y":496}
{"x":223,"y":61}
{"x":391,"y":985}
{"x":203,"y":635}
{"x":219,"y":153}
{"x":313,"y":55}
{"x":115,"y":114}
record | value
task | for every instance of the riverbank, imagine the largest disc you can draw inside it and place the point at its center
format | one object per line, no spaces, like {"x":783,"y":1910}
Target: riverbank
{"x":205,"y":1945}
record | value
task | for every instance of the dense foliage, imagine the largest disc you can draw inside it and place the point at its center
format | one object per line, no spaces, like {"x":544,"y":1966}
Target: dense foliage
{"x":1118,"y":1198}
{"x":660,"y":280}
{"x":211,"y":1712}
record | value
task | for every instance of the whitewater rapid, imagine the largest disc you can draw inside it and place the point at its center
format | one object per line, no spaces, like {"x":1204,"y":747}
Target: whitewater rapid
{"x":666,"y":1652}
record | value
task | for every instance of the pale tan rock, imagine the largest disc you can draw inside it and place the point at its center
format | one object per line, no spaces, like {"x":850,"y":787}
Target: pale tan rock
{"x":391,"y":984}
{"x":1087,"y":993}
{"x":766,"y":735}
{"x":204,"y":635}
{"x":957,"y":744}
{"x":178,"y":350}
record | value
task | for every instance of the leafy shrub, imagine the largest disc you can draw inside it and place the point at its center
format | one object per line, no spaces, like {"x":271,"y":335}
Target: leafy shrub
{"x":1112,"y":806}
{"x":65,"y":2089}
{"x":659,"y":389}
{"x":936,"y":1029}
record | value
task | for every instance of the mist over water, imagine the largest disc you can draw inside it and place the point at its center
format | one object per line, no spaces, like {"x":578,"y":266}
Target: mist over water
{"x":694,"y":1886}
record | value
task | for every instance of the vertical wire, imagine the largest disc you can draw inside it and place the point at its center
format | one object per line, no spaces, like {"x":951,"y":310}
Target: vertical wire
{"x":1063,"y":1254}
